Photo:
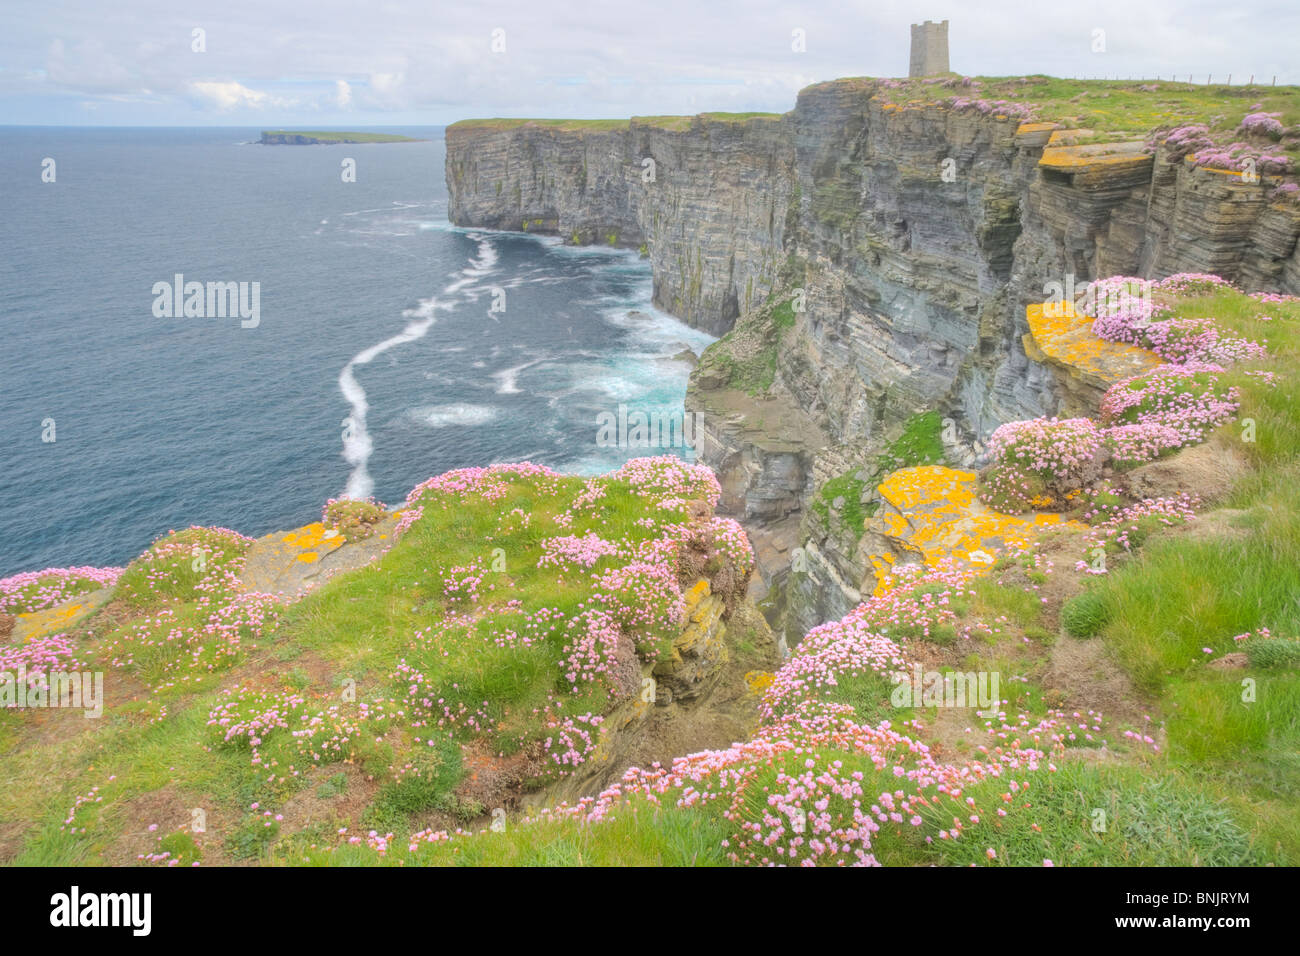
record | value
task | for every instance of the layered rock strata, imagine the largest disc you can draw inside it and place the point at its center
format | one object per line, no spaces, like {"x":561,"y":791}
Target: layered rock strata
{"x":911,"y":239}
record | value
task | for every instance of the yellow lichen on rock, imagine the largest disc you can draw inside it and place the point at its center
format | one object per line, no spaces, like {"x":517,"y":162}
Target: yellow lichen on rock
{"x":1062,"y":336}
{"x":1093,"y":166}
{"x":698,"y":592}
{"x":312,"y":536}
{"x":759,"y":681}
{"x":40,"y":623}
{"x":289,"y":563}
{"x":1035,"y":134}
{"x":932,"y":511}
{"x":33,"y":624}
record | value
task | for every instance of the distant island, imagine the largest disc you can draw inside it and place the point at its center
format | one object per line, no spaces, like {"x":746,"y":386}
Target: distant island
{"x":280,"y":137}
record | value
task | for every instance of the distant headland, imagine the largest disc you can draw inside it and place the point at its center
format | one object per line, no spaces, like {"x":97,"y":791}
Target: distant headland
{"x":281,"y":137}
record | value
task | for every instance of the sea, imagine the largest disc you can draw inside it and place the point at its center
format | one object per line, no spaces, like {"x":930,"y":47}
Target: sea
{"x":377,"y":344}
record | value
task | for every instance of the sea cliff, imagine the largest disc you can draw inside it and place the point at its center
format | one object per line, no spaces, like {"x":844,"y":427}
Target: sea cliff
{"x":869,"y":257}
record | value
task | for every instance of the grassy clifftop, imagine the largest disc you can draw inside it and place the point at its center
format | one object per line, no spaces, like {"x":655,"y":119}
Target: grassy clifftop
{"x":1086,"y":654}
{"x":1114,"y":107}
{"x":573,"y":125}
{"x":1218,"y":126}
{"x":501,"y":619}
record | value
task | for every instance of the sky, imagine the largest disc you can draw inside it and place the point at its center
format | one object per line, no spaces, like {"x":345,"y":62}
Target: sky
{"x":337,"y":65}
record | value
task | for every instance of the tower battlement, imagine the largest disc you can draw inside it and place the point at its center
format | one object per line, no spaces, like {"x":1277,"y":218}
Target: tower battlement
{"x":929,"y":49}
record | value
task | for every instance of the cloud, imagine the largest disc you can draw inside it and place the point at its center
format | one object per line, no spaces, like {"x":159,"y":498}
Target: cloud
{"x":230,"y":95}
{"x":88,"y":67}
{"x":408,"y":61}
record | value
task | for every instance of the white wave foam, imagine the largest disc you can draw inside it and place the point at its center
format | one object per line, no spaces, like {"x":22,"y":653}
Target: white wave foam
{"x":460,"y":413}
{"x":425,"y":309}
{"x":357,"y":446}
{"x":508,"y":379}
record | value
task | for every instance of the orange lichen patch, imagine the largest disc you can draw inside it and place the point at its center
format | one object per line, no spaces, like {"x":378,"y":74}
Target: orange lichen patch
{"x":1059,"y":335}
{"x":759,"y":681}
{"x":309,"y":544}
{"x":290,"y":563}
{"x":933,"y":510}
{"x":927,"y":484}
{"x":311,"y":536}
{"x":884,"y":566}
{"x":1071,"y":158}
{"x":697,"y":593}
{"x":35,"y":624}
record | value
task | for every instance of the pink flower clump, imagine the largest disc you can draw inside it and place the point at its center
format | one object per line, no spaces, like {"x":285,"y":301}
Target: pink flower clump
{"x":1183,"y":398}
{"x":38,"y":590}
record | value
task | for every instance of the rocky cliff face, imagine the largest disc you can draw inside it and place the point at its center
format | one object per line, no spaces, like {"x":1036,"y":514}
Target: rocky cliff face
{"x":908,"y":238}
{"x":707,"y":198}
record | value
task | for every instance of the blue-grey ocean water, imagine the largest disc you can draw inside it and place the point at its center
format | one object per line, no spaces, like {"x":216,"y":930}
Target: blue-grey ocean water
{"x":376,"y":361}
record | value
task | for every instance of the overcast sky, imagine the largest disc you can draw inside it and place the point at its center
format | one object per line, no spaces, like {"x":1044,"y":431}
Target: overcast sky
{"x":329,"y":63}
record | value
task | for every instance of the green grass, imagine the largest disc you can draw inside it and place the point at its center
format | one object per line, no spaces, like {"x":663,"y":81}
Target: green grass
{"x":1023,"y":607}
{"x":1110,"y":110}
{"x":844,"y":494}
{"x":1237,"y":731}
{"x":1121,"y":109}
{"x":1084,"y":615}
{"x":1091,"y":815}
{"x":348,"y":632}
{"x":745,"y":358}
{"x":740,"y":117}
{"x":676,"y":123}
{"x":783,"y":315}
{"x":638,"y":835}
{"x":1085,"y":814}
{"x":918,"y":444}
{"x":363,"y":622}
{"x":1220,"y":791}
{"x":1273,"y":653}
{"x":174,"y":565}
{"x":868,"y":694}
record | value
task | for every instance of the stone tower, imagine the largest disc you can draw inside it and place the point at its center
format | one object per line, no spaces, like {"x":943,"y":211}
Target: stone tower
{"x":929,"y":49}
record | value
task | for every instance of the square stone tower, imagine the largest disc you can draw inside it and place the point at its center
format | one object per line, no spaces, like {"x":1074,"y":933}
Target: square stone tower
{"x":929,"y":49}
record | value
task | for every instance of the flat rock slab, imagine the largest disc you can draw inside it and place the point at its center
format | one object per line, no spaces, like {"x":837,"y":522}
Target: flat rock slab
{"x":933,"y":512}
{"x":1032,"y":135}
{"x":1097,"y":165}
{"x":58,"y":618}
{"x":1063,"y":337}
{"x":291,"y":563}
